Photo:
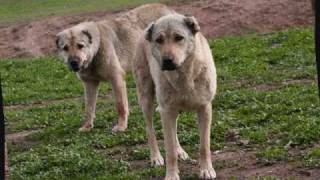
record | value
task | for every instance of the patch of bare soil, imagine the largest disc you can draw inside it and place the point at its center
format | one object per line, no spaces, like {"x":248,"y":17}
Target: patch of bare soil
{"x":216,"y":17}
{"x":37,"y":38}
{"x":19,"y":137}
{"x":236,"y":17}
{"x":273,"y":87}
{"x":244,"y":165}
{"x":38,"y":104}
{"x":239,"y":164}
{"x":42,"y":104}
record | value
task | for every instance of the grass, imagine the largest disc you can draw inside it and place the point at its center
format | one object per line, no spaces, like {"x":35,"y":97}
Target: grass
{"x":312,"y":159}
{"x":272,"y":155}
{"x":26,"y":81}
{"x":16,"y":10}
{"x":271,"y":122}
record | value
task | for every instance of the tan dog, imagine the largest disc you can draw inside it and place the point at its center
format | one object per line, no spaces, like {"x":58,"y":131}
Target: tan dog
{"x":175,"y":63}
{"x":103,"y":51}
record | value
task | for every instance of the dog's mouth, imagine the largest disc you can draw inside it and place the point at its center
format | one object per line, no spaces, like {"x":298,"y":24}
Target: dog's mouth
{"x":164,"y":68}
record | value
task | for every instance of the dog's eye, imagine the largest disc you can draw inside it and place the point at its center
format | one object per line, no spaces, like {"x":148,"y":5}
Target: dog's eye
{"x":80,"y":46}
{"x":66,"y":48}
{"x":178,"y":38}
{"x":160,"y":40}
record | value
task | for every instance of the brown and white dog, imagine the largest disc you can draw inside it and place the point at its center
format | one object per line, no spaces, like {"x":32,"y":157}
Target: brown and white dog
{"x":103,"y":51}
{"x":174,"y":63}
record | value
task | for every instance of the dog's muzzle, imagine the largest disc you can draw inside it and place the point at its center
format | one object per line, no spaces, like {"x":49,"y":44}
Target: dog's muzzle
{"x":168,"y":65}
{"x":74,"y":63}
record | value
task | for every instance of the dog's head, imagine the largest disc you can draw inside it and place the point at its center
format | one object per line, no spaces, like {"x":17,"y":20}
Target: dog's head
{"x":172,"y":39}
{"x":78,"y":45}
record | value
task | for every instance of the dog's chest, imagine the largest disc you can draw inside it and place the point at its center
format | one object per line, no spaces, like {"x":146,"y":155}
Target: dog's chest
{"x":95,"y":72}
{"x":186,"y":94}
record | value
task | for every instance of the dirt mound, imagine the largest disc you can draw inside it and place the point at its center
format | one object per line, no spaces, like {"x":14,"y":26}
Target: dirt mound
{"x":216,"y":17}
{"x":236,"y":17}
{"x":36,"y":39}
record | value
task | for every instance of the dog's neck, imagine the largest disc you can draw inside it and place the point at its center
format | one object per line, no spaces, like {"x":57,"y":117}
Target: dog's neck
{"x":94,"y":60}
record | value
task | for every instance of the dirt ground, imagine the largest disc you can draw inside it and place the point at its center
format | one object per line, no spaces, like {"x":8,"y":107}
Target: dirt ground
{"x":217,"y":18}
{"x":240,"y":164}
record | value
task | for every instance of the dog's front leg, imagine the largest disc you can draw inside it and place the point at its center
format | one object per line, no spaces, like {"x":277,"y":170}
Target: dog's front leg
{"x":145,"y":91}
{"x":91,"y":92}
{"x":169,"y":123}
{"x":120,"y":93}
{"x":204,"y":118}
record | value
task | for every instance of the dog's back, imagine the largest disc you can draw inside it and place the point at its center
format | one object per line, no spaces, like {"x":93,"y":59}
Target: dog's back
{"x":125,"y":31}
{"x":143,"y":15}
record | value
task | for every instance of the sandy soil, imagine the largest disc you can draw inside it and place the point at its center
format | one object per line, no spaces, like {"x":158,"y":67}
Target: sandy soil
{"x":217,"y":18}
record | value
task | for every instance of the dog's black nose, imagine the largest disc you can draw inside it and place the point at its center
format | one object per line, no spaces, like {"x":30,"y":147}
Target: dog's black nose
{"x":168,"y":64}
{"x":73,"y":64}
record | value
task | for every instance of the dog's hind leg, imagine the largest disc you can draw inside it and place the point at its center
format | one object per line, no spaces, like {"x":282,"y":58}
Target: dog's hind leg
{"x":120,"y":92}
{"x":204,"y":118}
{"x":91,"y":92}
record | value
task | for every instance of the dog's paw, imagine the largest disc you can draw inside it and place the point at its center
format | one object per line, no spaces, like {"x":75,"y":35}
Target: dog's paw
{"x":208,"y":173}
{"x":182,"y":154}
{"x":172,"y":176}
{"x":118,"y":128}
{"x":86,"y":127}
{"x":158,"y":109}
{"x":157,"y":161}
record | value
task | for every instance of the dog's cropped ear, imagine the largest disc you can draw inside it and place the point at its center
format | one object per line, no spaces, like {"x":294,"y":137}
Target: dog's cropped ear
{"x":86,"y":32}
{"x":192,"y":24}
{"x":149,"y":32}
